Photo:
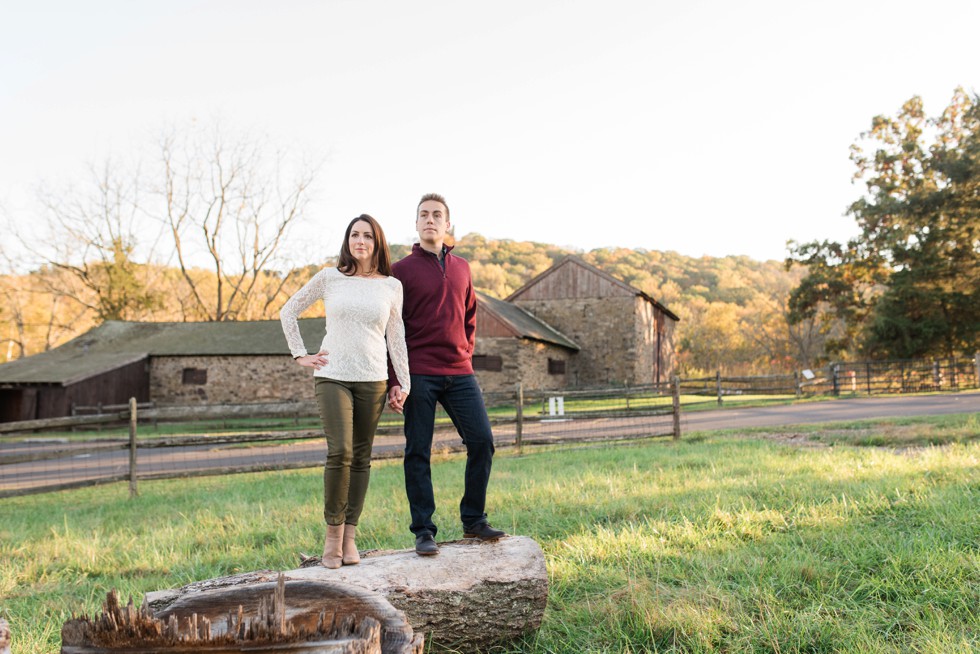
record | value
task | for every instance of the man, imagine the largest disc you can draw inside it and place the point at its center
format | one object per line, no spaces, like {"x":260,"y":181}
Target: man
{"x":439,"y":313}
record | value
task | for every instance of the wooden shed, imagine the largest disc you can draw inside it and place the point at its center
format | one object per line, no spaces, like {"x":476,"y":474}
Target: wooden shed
{"x":166,"y":363}
{"x":48,"y":387}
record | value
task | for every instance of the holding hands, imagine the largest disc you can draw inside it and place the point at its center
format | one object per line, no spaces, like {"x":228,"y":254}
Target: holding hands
{"x":396,"y":399}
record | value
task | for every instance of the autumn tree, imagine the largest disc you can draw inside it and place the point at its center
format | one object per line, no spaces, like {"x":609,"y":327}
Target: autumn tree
{"x":908,"y":285}
{"x":33,"y":317}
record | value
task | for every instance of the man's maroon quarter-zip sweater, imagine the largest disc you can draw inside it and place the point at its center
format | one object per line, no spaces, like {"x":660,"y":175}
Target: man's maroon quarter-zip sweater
{"x":439,"y":312}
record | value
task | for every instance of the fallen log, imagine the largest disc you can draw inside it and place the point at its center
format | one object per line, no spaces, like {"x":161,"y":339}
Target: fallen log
{"x":308,"y":617}
{"x":470,"y":597}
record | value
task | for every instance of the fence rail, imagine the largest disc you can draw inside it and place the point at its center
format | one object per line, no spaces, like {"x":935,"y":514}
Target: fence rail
{"x":519,"y":419}
{"x":847,"y":378}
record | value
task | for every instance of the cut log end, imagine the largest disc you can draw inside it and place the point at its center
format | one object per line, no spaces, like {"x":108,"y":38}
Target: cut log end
{"x":300,"y":616}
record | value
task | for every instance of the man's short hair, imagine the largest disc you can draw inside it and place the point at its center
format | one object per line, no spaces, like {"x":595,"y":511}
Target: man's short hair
{"x":434,"y":197}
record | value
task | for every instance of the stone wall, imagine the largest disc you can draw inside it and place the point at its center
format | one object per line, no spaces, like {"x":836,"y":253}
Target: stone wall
{"x":605,"y":329}
{"x":523,"y":361}
{"x":645,"y":337}
{"x":668,"y":344}
{"x":228,"y":379}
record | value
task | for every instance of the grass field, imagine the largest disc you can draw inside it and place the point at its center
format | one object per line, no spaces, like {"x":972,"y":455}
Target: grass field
{"x":862,"y":537}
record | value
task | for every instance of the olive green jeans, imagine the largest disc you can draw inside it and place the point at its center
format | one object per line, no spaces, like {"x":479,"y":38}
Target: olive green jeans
{"x":350,"y":412}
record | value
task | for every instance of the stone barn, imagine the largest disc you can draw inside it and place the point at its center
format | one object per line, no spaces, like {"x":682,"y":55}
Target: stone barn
{"x":513,"y":346}
{"x":624,"y":335}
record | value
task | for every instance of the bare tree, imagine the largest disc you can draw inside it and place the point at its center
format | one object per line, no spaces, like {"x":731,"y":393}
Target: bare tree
{"x":229,"y":205}
{"x":92,"y":236}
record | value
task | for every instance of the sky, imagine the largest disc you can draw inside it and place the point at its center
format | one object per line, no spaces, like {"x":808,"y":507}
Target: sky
{"x":705,"y":127}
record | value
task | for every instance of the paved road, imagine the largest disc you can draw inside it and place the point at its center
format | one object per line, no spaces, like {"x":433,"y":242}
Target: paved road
{"x":80,"y":467}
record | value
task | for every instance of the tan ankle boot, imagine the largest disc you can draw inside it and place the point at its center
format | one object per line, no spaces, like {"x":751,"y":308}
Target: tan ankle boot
{"x":332,"y":547}
{"x":351,"y":557}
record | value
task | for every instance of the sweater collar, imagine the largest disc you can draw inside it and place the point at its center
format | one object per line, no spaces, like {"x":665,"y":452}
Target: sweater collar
{"x":417,"y":250}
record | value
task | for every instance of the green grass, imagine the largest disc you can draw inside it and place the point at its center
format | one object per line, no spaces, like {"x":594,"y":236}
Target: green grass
{"x":717,"y":543}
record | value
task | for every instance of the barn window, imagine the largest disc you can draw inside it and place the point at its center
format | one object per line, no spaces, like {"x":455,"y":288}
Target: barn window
{"x":488,"y":362}
{"x":195,"y":376}
{"x":556,"y":366}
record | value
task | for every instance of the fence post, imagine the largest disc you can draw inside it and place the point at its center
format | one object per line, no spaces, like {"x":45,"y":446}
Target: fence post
{"x":676,"y":392}
{"x":519,"y":439}
{"x":718,"y":385}
{"x":835,"y":371}
{"x":936,"y":380}
{"x":976,"y":364}
{"x":132,"y":447}
{"x":798,"y":384}
{"x":867,"y":371}
{"x":627,"y":385}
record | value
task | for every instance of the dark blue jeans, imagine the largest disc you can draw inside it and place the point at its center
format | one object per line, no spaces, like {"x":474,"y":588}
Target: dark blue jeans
{"x":460,"y":396}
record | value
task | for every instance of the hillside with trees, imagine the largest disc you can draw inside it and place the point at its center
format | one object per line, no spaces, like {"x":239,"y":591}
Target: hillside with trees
{"x":733,"y":309}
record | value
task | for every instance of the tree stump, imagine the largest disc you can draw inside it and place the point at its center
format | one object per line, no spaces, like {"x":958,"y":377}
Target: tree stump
{"x":5,"y":637}
{"x":301,"y":617}
{"x":473,"y":595}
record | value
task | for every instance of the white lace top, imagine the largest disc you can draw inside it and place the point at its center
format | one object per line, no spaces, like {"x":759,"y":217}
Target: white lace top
{"x":363,"y":326}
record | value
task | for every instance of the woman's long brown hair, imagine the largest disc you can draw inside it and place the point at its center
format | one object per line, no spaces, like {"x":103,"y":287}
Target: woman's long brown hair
{"x":380,"y":260}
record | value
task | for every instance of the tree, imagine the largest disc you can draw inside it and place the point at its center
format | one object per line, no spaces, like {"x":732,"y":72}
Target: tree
{"x":91,"y":238}
{"x":32,"y":317}
{"x":908,"y":285}
{"x":229,"y":204}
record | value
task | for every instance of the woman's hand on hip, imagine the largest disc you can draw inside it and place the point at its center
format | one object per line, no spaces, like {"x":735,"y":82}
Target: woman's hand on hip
{"x":315,"y":361}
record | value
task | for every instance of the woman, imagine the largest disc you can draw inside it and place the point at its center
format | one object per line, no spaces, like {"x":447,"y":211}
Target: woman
{"x":363,"y":305}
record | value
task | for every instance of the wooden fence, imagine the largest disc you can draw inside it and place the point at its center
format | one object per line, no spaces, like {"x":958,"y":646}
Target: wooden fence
{"x":519,"y":418}
{"x":563,"y":419}
{"x":846,"y":379}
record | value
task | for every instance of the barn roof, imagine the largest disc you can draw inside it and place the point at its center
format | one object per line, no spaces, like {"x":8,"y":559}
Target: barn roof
{"x":578,"y":261}
{"x":114,"y":344}
{"x":523,"y":324}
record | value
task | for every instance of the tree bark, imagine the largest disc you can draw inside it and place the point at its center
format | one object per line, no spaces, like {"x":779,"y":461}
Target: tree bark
{"x":470,"y":597}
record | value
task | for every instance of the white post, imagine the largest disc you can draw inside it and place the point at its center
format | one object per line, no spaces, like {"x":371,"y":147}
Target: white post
{"x":561,"y":405}
{"x":132,"y":447}
{"x":520,"y":418}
